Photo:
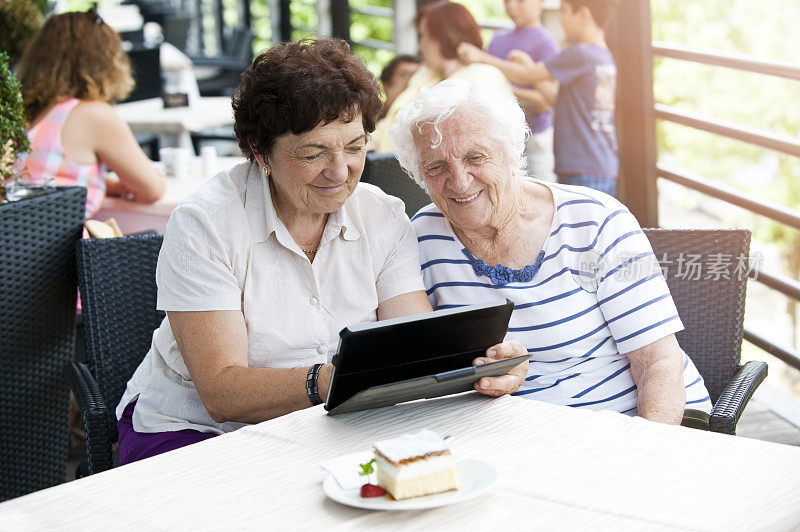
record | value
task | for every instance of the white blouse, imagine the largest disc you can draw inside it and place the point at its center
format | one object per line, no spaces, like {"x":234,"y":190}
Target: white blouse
{"x":225,"y":249}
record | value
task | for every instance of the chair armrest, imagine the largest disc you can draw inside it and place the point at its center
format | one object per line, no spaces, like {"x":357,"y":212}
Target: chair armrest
{"x":734,"y":398}
{"x":96,"y":417}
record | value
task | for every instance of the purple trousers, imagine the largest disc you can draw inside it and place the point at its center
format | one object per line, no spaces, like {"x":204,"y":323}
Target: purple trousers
{"x":135,"y":446}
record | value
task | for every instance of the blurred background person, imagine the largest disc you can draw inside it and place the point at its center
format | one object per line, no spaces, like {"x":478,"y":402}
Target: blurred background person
{"x":395,"y":76}
{"x":531,"y":37}
{"x":71,"y":73}
{"x":442,"y":26}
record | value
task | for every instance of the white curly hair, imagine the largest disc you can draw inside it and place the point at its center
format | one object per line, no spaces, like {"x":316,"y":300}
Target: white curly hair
{"x":503,"y":118}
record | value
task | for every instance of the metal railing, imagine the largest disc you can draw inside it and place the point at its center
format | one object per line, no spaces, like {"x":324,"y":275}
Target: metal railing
{"x":765,"y":139}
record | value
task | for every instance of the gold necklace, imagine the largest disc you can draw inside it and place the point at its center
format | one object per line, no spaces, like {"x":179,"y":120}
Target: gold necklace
{"x":306,"y":251}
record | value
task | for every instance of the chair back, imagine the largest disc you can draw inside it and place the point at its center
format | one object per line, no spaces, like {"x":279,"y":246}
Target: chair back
{"x":117,"y":279}
{"x":37,"y":336}
{"x":706,"y":271}
{"x":383,"y":171}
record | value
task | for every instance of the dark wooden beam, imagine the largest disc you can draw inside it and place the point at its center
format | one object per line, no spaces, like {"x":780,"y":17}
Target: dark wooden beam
{"x":340,"y":19}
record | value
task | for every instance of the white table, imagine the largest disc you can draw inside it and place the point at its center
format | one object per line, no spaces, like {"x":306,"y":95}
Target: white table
{"x":135,"y":217}
{"x":149,"y":116}
{"x":559,"y":468}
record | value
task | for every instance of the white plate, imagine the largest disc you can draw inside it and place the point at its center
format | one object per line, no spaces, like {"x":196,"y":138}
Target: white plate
{"x":474,"y":479}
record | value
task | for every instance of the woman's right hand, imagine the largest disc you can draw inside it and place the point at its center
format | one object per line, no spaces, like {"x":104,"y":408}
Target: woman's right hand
{"x":469,"y":53}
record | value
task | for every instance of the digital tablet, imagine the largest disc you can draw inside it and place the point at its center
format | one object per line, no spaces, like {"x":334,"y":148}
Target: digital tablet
{"x":415,"y":357}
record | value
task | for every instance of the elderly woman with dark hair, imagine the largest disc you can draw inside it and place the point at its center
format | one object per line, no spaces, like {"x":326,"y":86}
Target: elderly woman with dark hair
{"x":263,"y":266}
{"x":592,"y":307}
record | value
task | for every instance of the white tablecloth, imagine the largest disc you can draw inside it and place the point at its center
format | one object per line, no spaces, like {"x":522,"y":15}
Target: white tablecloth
{"x":558,"y":468}
{"x":149,"y":116}
{"x":135,"y":217}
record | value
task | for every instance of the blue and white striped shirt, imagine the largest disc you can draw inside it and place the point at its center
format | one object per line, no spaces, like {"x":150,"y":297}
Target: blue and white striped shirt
{"x":594,"y":293}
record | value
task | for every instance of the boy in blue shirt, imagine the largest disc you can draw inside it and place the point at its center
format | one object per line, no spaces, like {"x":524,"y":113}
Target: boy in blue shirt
{"x":581,"y":82}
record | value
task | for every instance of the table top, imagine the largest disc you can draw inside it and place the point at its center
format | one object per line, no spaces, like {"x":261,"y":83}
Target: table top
{"x":177,"y":190}
{"x":558,"y":467}
{"x":149,"y":116}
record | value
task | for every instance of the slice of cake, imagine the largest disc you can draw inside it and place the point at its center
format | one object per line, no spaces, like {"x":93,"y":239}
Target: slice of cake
{"x":413,"y":465}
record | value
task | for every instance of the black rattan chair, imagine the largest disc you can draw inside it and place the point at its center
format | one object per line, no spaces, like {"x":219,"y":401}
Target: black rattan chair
{"x":118,"y":293}
{"x":383,"y":171}
{"x":37,"y":336}
{"x":712,"y":310}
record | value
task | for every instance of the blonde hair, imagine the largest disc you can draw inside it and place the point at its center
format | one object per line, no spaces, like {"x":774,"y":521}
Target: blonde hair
{"x":74,"y":55}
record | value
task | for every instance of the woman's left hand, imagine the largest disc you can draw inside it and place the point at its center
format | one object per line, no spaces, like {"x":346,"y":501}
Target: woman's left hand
{"x":511,"y":381}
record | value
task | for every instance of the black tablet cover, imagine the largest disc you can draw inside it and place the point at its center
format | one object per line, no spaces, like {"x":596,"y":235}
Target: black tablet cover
{"x":415,"y":357}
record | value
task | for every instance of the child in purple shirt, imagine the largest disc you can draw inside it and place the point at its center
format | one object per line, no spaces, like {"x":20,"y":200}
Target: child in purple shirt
{"x":529,"y":36}
{"x":581,"y":82}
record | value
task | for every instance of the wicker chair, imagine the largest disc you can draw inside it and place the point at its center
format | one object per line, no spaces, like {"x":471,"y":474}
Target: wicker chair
{"x":118,"y":291}
{"x":383,"y":171}
{"x":37,"y":336}
{"x":712,"y":311}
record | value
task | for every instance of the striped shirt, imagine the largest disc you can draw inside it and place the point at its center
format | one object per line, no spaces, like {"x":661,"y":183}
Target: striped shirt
{"x":47,"y":159}
{"x":594,"y":293}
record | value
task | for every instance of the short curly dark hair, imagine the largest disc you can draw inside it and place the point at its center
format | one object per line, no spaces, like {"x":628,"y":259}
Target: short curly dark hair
{"x":292,"y":87}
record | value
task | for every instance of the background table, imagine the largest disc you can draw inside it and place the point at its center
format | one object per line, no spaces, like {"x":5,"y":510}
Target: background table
{"x":134,"y":217}
{"x":558,"y":468}
{"x":149,"y":116}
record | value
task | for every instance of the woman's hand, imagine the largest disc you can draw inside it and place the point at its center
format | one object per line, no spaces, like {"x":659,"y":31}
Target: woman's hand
{"x":511,"y":381}
{"x":469,"y":53}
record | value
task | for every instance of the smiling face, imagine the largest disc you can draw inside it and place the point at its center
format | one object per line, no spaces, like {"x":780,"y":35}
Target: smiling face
{"x":469,"y":176}
{"x":524,"y":13}
{"x":316,"y":171}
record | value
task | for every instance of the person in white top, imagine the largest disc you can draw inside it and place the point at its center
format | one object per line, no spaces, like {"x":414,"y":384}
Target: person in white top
{"x":263,"y":266}
{"x":591,"y":305}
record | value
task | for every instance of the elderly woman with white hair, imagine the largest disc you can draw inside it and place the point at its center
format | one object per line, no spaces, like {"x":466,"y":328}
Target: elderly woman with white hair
{"x":592,"y":307}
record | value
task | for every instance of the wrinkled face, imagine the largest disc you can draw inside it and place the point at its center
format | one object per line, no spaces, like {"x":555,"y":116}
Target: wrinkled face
{"x":399,"y":80}
{"x":469,"y":176}
{"x":430,"y":49}
{"x":523,"y":12}
{"x":316,"y":171}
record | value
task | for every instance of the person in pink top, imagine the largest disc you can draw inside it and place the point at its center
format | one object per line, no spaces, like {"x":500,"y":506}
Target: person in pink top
{"x":71,"y":72}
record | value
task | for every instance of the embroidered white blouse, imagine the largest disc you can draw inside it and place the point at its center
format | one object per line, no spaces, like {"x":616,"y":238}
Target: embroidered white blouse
{"x":225,"y":249}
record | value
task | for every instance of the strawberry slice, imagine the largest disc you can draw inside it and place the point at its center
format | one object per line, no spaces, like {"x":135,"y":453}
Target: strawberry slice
{"x":371,"y":490}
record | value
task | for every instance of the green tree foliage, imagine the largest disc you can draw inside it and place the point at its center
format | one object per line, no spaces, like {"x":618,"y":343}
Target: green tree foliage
{"x":13,"y":126}
{"x":19,"y":22}
{"x":765,"y":29}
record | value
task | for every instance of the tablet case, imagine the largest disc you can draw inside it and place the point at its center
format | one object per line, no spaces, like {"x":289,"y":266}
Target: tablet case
{"x":415,"y":357}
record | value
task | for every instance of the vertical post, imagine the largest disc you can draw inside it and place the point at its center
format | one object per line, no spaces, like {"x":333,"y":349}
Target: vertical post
{"x":635,"y":113}
{"x":220,"y":28}
{"x":340,"y":19}
{"x":324,"y":20}
{"x":285,"y":18}
{"x":405,"y":33}
{"x":246,"y":15}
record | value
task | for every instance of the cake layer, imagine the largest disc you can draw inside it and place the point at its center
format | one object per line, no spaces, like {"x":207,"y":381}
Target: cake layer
{"x":419,"y":485}
{"x":406,"y":470}
{"x":410,"y":446}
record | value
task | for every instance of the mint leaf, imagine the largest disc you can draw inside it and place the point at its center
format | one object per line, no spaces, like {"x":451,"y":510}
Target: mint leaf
{"x":366,"y":469}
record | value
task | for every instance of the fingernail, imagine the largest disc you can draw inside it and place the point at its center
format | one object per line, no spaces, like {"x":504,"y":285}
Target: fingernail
{"x":492,"y":352}
{"x":479,"y":361}
{"x":484,"y":383}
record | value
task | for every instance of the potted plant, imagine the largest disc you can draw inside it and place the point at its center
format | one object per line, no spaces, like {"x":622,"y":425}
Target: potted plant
{"x":13,"y":127}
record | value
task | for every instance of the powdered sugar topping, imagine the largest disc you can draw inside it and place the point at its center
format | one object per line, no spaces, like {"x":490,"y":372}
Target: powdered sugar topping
{"x":411,"y":445}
